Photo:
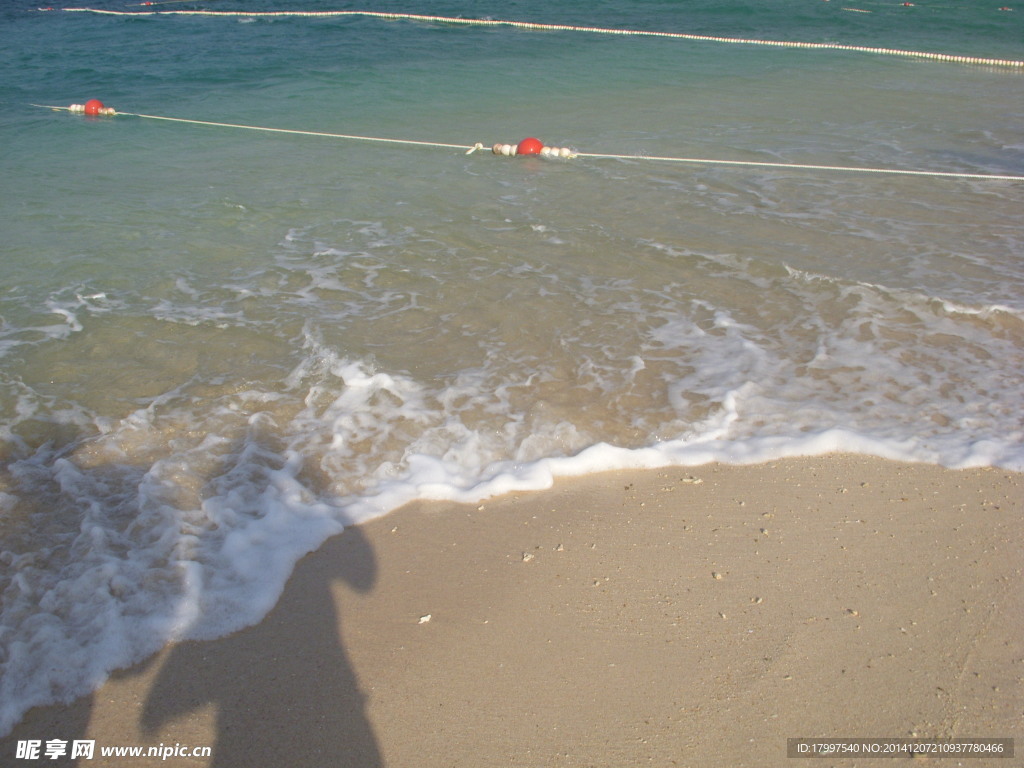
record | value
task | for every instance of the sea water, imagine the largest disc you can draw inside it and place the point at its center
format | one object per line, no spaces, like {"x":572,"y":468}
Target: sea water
{"x":218,"y":346}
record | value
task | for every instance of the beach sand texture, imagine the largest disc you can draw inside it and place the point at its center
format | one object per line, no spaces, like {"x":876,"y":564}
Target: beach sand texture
{"x":683,"y":616}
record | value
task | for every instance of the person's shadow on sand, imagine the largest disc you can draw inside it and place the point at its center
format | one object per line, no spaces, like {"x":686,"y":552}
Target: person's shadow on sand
{"x":284,"y":691}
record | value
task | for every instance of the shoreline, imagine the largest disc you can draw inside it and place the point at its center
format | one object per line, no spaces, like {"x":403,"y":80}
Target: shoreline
{"x":694,"y":616}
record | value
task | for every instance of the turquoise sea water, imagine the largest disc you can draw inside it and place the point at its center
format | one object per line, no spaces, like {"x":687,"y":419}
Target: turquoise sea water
{"x":218,"y":347}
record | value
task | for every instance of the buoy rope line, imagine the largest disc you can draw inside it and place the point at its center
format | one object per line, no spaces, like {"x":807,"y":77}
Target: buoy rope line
{"x":529,"y":146}
{"x":169,"y":2}
{"x":566,"y":28}
{"x":321,"y":134}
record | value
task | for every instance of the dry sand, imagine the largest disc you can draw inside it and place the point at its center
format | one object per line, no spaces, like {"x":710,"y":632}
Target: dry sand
{"x":679,"y":617}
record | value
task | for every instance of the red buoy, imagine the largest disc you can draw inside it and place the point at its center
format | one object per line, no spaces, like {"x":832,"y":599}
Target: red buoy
{"x":530,"y":146}
{"x":93,"y":107}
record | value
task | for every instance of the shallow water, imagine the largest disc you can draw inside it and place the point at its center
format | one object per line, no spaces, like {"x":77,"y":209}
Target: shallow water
{"x":219,"y":347}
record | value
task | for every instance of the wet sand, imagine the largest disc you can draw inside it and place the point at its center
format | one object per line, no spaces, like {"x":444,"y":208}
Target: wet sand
{"x":692,"y":616}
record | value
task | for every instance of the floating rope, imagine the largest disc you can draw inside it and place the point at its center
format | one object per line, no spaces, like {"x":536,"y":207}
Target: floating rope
{"x":160,"y":2}
{"x":799,"y":166}
{"x":529,"y":146}
{"x":567,"y":28}
{"x":272,"y":130}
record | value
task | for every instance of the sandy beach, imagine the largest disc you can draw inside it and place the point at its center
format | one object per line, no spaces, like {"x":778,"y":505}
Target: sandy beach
{"x":677,"y":617}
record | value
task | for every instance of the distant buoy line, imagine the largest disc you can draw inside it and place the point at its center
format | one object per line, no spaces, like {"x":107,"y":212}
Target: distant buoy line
{"x":529,"y":146}
{"x":568,"y":28}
